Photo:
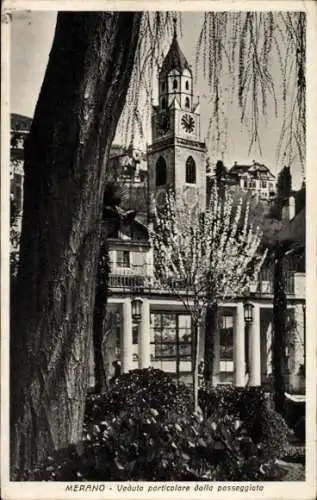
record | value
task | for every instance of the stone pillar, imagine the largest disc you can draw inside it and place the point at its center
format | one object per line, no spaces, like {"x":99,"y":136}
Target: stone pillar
{"x":144,"y":335}
{"x":239,"y":347}
{"x":255,"y":348}
{"x":126,"y":337}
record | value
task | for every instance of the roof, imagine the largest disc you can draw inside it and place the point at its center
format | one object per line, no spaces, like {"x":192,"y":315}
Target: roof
{"x":20,"y":122}
{"x":175,"y":58}
{"x":254,"y":167}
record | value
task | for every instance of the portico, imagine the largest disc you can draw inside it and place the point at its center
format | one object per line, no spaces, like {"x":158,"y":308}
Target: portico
{"x":139,"y":347}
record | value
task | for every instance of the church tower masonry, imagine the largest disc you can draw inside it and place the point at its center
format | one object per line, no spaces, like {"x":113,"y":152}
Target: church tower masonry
{"x":177,"y":156}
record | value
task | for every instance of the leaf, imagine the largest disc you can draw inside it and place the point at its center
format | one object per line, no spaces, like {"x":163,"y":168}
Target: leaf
{"x":213,"y":426}
{"x":154,"y":412}
{"x":202,"y":442}
{"x":118,"y":464}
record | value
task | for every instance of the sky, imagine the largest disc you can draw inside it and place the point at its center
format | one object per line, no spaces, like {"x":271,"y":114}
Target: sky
{"x":31,"y":39}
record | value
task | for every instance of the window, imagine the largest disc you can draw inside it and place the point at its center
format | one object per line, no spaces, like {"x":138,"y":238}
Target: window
{"x":190,"y":171}
{"x":187,"y":85}
{"x":263,"y":184}
{"x":252,"y":184}
{"x":163,"y":103}
{"x":175,"y":84}
{"x":187,"y":102}
{"x":160,"y":171}
{"x":171,"y":341}
{"x":123,"y":258}
{"x":163,"y":87}
{"x":226,"y":343}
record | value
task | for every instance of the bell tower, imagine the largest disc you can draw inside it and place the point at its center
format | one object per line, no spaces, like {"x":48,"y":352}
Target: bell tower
{"x":176,"y":157}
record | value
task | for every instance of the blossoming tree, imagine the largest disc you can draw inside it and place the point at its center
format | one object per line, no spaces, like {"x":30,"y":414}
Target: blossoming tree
{"x":205,"y":257}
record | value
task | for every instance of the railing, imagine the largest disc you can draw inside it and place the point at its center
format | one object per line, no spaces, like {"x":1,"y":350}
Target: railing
{"x":138,"y":278}
{"x":265,"y":284}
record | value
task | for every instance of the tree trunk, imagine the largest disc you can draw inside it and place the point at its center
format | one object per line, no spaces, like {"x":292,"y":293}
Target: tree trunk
{"x":211,"y":325}
{"x":195,"y":358}
{"x":279,"y":334}
{"x":80,"y":103}
{"x":99,"y":317}
{"x":99,"y":368}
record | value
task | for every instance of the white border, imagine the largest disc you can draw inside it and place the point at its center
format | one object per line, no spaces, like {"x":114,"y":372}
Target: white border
{"x":292,"y":490}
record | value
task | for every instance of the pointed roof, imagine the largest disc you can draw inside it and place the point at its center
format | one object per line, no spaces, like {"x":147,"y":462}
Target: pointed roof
{"x":175,"y":58}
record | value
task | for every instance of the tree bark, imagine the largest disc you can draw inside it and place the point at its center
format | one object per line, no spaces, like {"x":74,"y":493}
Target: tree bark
{"x":279,"y":333}
{"x":211,"y":325}
{"x":195,"y":358}
{"x":80,"y":103}
{"x":99,"y":318}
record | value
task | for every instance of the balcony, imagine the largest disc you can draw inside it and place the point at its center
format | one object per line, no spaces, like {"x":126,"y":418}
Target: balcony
{"x":265,"y":286}
{"x":137,"y":279}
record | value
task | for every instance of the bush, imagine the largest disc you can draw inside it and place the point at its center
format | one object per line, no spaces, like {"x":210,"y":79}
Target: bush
{"x":264,"y":426}
{"x":270,"y":432}
{"x":142,"y":389}
{"x":216,"y":402}
{"x":144,"y":429}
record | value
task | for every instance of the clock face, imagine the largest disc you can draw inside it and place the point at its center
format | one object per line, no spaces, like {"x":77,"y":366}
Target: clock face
{"x":188,"y":123}
{"x":163,"y":123}
{"x":160,"y":198}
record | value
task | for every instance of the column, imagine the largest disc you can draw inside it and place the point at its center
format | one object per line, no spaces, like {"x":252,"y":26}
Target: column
{"x":126,"y":337}
{"x":255,"y":348}
{"x":144,"y":335}
{"x":239,"y":347}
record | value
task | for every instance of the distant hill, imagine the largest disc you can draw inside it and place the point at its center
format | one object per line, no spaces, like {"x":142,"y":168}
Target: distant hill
{"x":20,"y":122}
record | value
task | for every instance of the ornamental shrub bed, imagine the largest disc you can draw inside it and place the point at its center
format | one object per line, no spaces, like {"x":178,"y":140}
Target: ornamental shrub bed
{"x":145,"y":429}
{"x":142,"y":389}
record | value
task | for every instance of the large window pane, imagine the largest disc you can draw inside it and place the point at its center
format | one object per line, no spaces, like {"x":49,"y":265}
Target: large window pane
{"x":171,"y":341}
{"x":226,"y":343}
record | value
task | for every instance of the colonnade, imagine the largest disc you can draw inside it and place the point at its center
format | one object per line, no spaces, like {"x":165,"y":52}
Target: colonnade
{"x":239,"y":330}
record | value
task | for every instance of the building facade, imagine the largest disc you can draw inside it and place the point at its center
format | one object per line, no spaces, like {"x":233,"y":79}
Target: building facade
{"x":160,"y":334}
{"x":256,"y":178}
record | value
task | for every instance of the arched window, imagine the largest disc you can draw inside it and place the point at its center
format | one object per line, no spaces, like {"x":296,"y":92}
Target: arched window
{"x":160,"y":171}
{"x":187,"y":85}
{"x":163,"y":103}
{"x":175,"y":84}
{"x":187,"y":102}
{"x":190,"y":171}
